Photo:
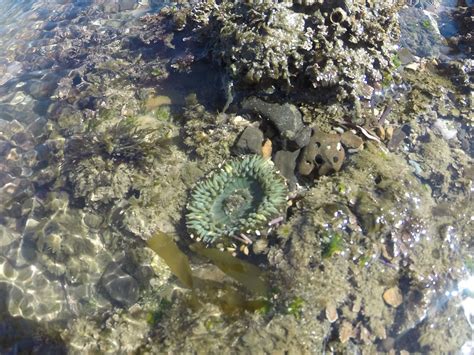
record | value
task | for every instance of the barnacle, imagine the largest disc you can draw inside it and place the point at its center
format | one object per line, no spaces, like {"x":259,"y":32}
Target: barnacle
{"x":290,"y":45}
{"x":236,"y":200}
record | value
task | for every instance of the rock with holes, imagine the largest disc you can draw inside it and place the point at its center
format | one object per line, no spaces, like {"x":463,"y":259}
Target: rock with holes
{"x":323,"y":155}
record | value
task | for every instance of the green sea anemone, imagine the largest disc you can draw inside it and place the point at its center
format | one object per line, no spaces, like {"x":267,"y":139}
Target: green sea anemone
{"x":238,"y":200}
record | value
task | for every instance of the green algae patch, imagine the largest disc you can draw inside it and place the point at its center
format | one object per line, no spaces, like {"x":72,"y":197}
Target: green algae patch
{"x":295,"y":307}
{"x":333,"y":244}
{"x":153,"y":318}
{"x":178,"y":262}
{"x":249,"y":275}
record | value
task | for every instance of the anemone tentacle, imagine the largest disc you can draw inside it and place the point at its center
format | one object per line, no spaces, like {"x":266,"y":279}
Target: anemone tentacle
{"x":242,"y":195}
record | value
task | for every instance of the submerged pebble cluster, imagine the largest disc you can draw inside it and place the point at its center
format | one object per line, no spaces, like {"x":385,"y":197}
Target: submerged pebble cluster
{"x":238,"y":199}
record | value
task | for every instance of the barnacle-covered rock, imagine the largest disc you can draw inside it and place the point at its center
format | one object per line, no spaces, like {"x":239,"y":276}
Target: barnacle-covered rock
{"x":236,"y":200}
{"x":284,"y":46}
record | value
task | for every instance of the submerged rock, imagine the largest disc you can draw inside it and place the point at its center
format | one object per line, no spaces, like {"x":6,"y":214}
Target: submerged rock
{"x":358,"y":233}
{"x":119,"y":286}
{"x":249,"y":142}
{"x":286,"y":118}
{"x":285,"y":162}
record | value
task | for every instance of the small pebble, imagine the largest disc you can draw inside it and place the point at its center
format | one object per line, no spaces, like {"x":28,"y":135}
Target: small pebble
{"x":389,"y":132}
{"x":413,"y":66}
{"x":397,"y":138}
{"x":267,"y":148}
{"x":240,"y":121}
{"x":346,"y":331}
{"x":393,"y":297}
{"x":331,"y":312}
{"x":441,"y":127}
{"x":380,"y":132}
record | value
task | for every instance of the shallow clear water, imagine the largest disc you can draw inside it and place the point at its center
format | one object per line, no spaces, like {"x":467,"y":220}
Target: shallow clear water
{"x":71,"y":220}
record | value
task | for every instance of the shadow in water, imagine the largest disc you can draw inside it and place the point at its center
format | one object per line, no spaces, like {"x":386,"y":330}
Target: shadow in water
{"x":23,"y":336}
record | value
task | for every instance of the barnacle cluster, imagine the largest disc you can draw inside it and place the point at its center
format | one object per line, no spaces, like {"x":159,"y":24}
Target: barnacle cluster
{"x":236,"y":201}
{"x":271,"y":45}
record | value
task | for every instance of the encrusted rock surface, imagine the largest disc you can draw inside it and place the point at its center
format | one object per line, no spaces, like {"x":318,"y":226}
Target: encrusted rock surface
{"x":97,"y":152}
{"x":340,"y":46}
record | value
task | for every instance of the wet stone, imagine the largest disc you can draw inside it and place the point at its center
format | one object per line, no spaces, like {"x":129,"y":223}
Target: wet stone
{"x":303,"y":137}
{"x":40,"y":89}
{"x":37,"y":128}
{"x":92,"y":220}
{"x":397,"y":139}
{"x":43,"y":152}
{"x":5,"y":147}
{"x":350,"y":140}
{"x":23,"y":113}
{"x":120,"y":287}
{"x":249,"y":142}
{"x":118,"y":5}
{"x":331,"y":312}
{"x":286,"y":117}
{"x":285,"y":162}
{"x":393,"y":297}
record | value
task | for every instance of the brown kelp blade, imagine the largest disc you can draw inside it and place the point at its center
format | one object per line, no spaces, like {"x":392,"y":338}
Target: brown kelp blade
{"x":244,"y":272}
{"x":178,"y":262}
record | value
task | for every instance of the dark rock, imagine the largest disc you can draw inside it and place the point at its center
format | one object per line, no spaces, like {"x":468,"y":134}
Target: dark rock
{"x":249,"y":142}
{"x":44,"y":88}
{"x":5,"y":147}
{"x":286,"y":118}
{"x":127,"y":4}
{"x":43,"y":152}
{"x":303,"y":137}
{"x":37,"y":127}
{"x":285,"y":162}
{"x":119,"y":286}
{"x":23,"y":336}
{"x":398,"y":136}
